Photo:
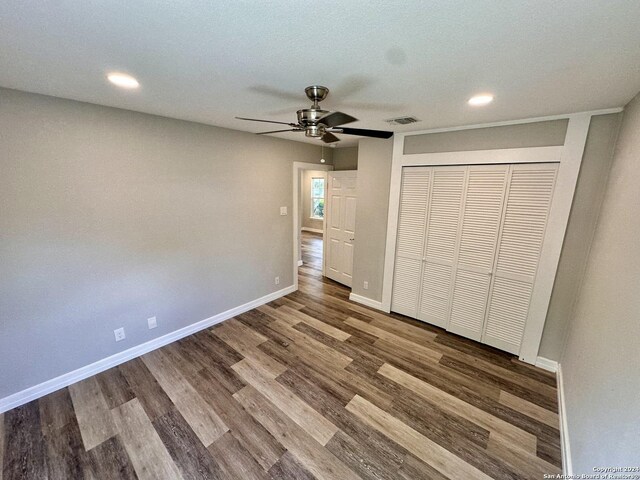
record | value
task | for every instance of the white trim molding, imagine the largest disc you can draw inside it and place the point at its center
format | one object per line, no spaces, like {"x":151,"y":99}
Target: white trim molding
{"x":44,"y":388}
{"x":546,"y":364}
{"x":365,"y":301}
{"x":569,"y":158}
{"x":567,"y":466}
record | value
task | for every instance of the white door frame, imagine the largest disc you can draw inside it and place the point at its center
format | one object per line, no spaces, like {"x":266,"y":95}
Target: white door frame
{"x":569,"y":156}
{"x":297,"y":168}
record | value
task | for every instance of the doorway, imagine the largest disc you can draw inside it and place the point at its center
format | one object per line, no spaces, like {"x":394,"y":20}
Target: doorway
{"x":309,"y":197}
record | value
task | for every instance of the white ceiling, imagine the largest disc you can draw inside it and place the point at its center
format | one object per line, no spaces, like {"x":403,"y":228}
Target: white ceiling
{"x":208,"y":61}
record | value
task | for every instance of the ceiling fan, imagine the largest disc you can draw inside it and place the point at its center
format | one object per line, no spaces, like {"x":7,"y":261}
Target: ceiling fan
{"x":322,"y":124}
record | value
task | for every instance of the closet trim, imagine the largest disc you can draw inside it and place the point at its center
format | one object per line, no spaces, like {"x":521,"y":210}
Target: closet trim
{"x":569,"y":157}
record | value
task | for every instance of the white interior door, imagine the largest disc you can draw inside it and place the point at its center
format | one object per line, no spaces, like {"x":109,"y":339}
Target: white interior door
{"x":445,"y":205}
{"x":526,"y":211}
{"x":414,"y":198}
{"x":480,"y":225}
{"x":341,"y":225}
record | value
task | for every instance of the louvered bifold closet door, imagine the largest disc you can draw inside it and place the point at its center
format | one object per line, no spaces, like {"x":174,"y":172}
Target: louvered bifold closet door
{"x":414,"y":196}
{"x":528,"y":202}
{"x":443,"y":218}
{"x":482,"y":212}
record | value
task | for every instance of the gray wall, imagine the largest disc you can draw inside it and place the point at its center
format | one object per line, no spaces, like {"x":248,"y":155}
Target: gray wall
{"x":581,"y":226}
{"x":307,"y":221}
{"x":537,"y":134}
{"x":601,"y":361}
{"x":345,"y":158}
{"x":108,"y":217}
{"x":596,"y":162}
{"x":374,"y":177}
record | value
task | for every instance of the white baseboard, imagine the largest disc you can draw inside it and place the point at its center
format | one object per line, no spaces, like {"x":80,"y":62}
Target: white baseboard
{"x":42,"y":389}
{"x":365,"y":301}
{"x":546,"y":364}
{"x":567,"y":467}
{"x":299,"y":263}
{"x":314,"y":230}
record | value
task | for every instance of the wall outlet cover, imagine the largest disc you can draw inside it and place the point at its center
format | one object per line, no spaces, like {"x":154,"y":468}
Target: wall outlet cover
{"x":119,"y":334}
{"x":366,"y":285}
{"x":152,"y":322}
{"x":277,"y":280}
{"x":283,"y":210}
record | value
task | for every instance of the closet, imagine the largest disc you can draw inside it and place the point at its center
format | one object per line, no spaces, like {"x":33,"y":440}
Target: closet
{"x":468,"y":245}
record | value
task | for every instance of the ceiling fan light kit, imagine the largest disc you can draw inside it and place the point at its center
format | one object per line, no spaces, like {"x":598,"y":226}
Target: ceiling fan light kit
{"x":322,"y":124}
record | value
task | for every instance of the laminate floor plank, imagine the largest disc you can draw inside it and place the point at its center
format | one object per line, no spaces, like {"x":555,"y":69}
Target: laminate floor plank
{"x":314,"y":322}
{"x":318,"y":460}
{"x":191,"y":457}
{"x":147,"y":390}
{"x":419,"y":445}
{"x":529,"y":466}
{"x":311,"y":345}
{"x":363,"y":449}
{"x":56,"y":411}
{"x":300,"y":412}
{"x":245,"y":341}
{"x":419,"y":351}
{"x":308,"y":386}
{"x":337,"y":380}
{"x":540,"y":397}
{"x":234,"y":332}
{"x":503,"y":432}
{"x":149,"y":457}
{"x":412,"y":469}
{"x":234,"y":460}
{"x":24,"y":446}
{"x":279,"y":302}
{"x":92,"y":411}
{"x":115,"y":387}
{"x":405,"y":330}
{"x":288,"y":467}
{"x":109,"y":460}
{"x":264,"y":448}
{"x":531,"y":409}
{"x":204,"y":421}
{"x":66,"y":456}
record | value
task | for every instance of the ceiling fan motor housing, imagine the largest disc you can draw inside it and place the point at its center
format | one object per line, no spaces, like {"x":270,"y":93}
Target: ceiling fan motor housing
{"x":310,"y":116}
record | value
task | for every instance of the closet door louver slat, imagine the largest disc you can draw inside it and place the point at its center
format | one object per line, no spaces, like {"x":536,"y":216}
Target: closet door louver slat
{"x":414,"y":196}
{"x":525,"y":219}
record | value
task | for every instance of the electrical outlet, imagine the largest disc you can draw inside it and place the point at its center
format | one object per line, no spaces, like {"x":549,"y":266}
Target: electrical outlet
{"x":283,"y":210}
{"x":366,"y":285}
{"x":119,"y":334}
{"x":277,"y":280}
{"x":152,"y":322}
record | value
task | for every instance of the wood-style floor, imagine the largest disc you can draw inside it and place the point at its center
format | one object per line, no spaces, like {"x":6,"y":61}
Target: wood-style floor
{"x":308,"y":386}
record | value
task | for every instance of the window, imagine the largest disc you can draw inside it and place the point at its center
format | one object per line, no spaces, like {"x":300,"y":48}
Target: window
{"x":317,"y":198}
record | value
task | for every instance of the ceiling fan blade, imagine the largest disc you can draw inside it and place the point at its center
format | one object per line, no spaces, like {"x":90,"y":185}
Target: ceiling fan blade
{"x":278,"y":131}
{"x":334,"y":119}
{"x":266,"y":121}
{"x":364,"y":132}
{"x":329,"y":138}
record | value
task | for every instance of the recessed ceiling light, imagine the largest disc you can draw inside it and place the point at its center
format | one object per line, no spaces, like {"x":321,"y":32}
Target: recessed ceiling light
{"x":123,"y":80}
{"x":480,"y":100}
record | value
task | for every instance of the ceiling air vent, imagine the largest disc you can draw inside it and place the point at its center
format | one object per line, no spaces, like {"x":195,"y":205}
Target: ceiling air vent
{"x":402,"y":120}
